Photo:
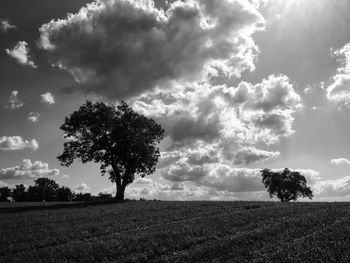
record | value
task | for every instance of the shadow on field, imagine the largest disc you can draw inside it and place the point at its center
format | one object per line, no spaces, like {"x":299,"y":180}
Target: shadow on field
{"x":48,"y":206}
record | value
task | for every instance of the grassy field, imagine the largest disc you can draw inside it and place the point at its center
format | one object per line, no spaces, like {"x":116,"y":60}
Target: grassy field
{"x":156,"y":231}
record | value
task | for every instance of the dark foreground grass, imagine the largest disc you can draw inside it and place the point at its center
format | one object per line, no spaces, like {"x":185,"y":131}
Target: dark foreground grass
{"x":178,"y":232}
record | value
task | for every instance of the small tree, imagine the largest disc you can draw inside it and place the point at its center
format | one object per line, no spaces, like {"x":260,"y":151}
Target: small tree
{"x":64,"y":194}
{"x":5,"y":193}
{"x":287,"y":185}
{"x":83,"y":197}
{"x":118,"y":138}
{"x":44,"y":190}
{"x":20,"y":194}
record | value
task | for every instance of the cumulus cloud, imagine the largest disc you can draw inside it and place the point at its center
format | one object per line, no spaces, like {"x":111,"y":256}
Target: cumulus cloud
{"x":3,"y":184}
{"x":122,"y":48}
{"x":82,"y":188}
{"x":21,"y":53}
{"x":221,"y":182}
{"x":28,"y":170}
{"x":11,"y":143}
{"x":48,"y":98}
{"x":33,"y":116}
{"x":223,"y":177}
{"x":14,"y":102}
{"x":339,"y":90}
{"x":340,"y":161}
{"x":6,"y":26}
{"x":212,"y":129}
{"x":143,"y":181}
{"x":333,"y":188}
{"x":245,"y":114}
{"x":163,"y":191}
{"x":248,"y":155}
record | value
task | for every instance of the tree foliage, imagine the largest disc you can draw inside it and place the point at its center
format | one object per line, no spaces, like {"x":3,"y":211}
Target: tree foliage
{"x":118,"y":138}
{"x":19,"y":193}
{"x":64,"y":194}
{"x":44,"y":189}
{"x":5,"y":193}
{"x":287,"y":185}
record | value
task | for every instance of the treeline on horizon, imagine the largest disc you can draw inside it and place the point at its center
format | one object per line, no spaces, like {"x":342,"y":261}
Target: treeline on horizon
{"x":46,"y":190}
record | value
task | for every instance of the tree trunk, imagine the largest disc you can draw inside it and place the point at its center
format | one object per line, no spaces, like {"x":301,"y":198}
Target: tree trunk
{"x":120,"y":192}
{"x":119,"y":195}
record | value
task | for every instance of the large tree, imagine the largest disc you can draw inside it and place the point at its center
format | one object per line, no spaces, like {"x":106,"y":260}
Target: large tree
{"x":121,"y":140}
{"x":287,"y":185}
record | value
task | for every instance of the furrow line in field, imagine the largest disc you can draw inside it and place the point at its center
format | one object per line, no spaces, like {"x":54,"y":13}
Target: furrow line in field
{"x":182,"y":221}
{"x":126,"y":231}
{"x":299,"y":239}
{"x":123,"y":232}
{"x":267,"y":226}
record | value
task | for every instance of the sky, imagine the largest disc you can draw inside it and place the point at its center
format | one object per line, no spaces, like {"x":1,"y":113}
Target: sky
{"x":238,"y":86}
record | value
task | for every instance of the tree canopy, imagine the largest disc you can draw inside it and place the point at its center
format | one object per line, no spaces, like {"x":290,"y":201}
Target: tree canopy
{"x":44,"y":190}
{"x":123,"y":141}
{"x":5,"y":193}
{"x":287,"y":185}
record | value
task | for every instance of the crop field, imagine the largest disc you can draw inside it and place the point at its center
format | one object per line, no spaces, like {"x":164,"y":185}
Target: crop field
{"x":155,"y":231}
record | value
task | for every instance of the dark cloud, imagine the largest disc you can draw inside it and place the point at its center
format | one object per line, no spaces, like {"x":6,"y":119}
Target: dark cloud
{"x":122,"y":48}
{"x":216,"y":176}
{"x":248,"y":155}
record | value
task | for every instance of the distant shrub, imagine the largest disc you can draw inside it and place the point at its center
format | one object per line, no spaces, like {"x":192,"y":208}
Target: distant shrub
{"x":5,"y":194}
{"x":103,"y":196}
{"x":46,"y":190}
{"x":287,"y":185}
{"x":83,"y":197}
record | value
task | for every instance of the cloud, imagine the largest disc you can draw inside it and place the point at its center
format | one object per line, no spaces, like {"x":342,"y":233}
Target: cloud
{"x":333,"y":188}
{"x":163,"y":191}
{"x":33,"y":116}
{"x":248,"y":155}
{"x":11,"y":143}
{"x":6,"y":26}
{"x":14,"y":102}
{"x":20,"y":53}
{"x":212,"y":129}
{"x":220,"y":182}
{"x":245,"y":114}
{"x":224,"y":177}
{"x":28,"y":170}
{"x":65,"y":176}
{"x":3,"y":184}
{"x":143,"y":181}
{"x":339,"y":90}
{"x":122,"y":48}
{"x":340,"y":161}
{"x":48,"y":98}
{"x":82,"y":188}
